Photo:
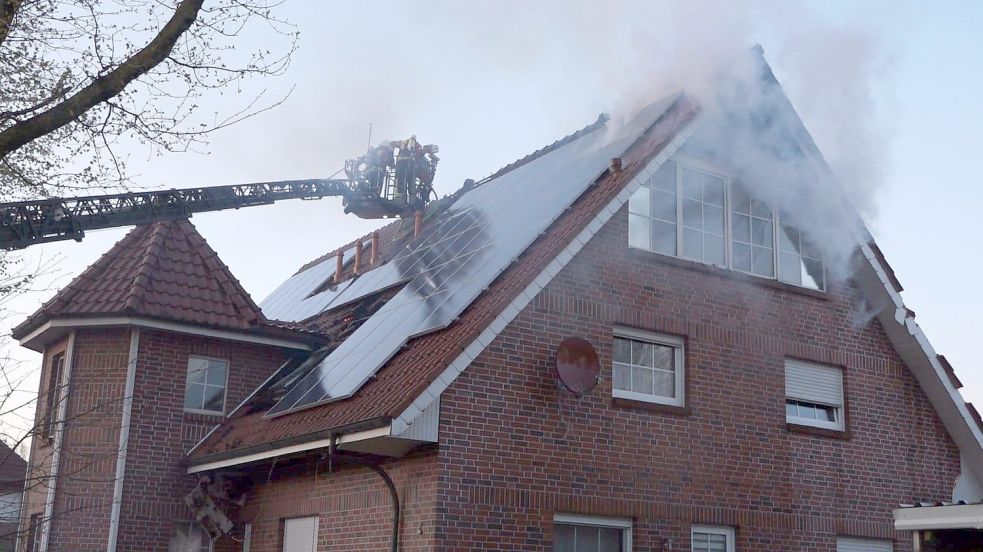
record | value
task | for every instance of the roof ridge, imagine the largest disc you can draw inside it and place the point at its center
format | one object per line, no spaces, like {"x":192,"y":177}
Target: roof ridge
{"x":602,"y":120}
{"x":138,"y":287}
{"x":469,"y":185}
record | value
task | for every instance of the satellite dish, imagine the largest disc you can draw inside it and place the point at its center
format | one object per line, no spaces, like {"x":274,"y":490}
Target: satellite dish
{"x":577,"y":365}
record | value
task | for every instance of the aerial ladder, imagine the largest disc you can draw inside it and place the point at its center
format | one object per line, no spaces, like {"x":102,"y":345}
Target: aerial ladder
{"x":393,"y":179}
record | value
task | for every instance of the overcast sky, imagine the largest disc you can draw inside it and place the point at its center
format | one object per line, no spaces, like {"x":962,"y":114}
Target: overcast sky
{"x":892,"y":92}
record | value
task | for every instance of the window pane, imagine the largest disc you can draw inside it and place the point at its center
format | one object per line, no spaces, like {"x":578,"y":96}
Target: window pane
{"x":639,"y":202}
{"x":665,"y":177}
{"x":713,"y":190}
{"x":621,"y":350}
{"x":563,"y":536}
{"x":587,"y":539}
{"x":763,"y":261}
{"x":692,"y":214}
{"x":642,"y":380}
{"x":665,"y":384}
{"x":826,"y":413}
{"x":713,"y":249}
{"x":642,"y":353}
{"x":791,"y":410}
{"x":663,"y":237}
{"x":791,"y":268}
{"x":789,"y":238}
{"x":739,"y":200}
{"x":197,"y":368}
{"x":692,"y":186}
{"x":622,"y":377}
{"x":761,"y":232}
{"x":194,"y":396}
{"x":216,"y":373}
{"x":664,"y":206}
{"x":741,"y":228}
{"x":610,"y":540}
{"x":638,"y":231}
{"x":692,"y":244}
{"x":813,"y":276}
{"x":214,"y":397}
{"x":742,"y":257}
{"x":759,"y":209}
{"x":665,"y":357}
{"x":713,"y":219}
{"x":718,"y":543}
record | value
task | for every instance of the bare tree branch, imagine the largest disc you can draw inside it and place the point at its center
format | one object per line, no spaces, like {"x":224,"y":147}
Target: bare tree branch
{"x":105,"y":87}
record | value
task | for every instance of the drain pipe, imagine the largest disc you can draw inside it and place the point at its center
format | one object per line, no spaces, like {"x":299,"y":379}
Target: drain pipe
{"x":393,"y":494}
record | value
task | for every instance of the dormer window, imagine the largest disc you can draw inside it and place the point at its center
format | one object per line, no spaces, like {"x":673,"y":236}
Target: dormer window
{"x":695,"y":212}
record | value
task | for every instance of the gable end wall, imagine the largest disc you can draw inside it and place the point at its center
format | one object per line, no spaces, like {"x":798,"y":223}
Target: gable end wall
{"x":515,"y":449}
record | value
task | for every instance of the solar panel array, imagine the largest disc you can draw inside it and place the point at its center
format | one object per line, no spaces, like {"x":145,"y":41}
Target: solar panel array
{"x":461,"y":253}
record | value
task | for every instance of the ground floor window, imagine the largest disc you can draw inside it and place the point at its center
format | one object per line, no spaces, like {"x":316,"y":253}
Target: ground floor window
{"x":580,"y":533}
{"x":853,"y":544}
{"x":710,"y":538}
{"x":189,"y":536}
{"x":300,"y":534}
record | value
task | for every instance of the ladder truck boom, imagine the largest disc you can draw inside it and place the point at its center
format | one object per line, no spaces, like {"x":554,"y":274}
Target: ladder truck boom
{"x":25,"y":223}
{"x":393,"y":179}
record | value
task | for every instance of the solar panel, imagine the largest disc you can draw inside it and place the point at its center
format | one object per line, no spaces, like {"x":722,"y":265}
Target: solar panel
{"x":292,"y":300}
{"x":461,"y":253}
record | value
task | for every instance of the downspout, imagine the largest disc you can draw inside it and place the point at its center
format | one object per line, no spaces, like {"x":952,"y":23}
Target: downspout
{"x":332,"y":452}
{"x":49,"y":501}
{"x":124,"y":436}
{"x":394,"y":547}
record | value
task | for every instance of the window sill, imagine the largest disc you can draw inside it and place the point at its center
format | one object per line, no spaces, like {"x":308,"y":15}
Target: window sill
{"x":844,"y":435}
{"x":644,"y":254}
{"x":203,"y":415}
{"x":619,"y":402}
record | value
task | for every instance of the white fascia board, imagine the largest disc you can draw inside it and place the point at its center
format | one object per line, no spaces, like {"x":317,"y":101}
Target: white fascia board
{"x":76,"y":323}
{"x":508,"y":314}
{"x":926,"y":518}
{"x":920,"y":357}
{"x":383,"y":431}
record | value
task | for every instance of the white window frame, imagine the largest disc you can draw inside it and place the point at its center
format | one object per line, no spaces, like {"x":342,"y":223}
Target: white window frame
{"x":684,"y":161}
{"x":839,"y":411}
{"x":679,"y":358}
{"x":317,"y":524}
{"x":624,"y":524}
{"x":862,"y":542}
{"x":727,"y":531}
{"x":225,"y":387}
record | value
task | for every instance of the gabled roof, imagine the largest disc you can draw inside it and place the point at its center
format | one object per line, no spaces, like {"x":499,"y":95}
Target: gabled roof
{"x":163,"y":271}
{"x":404,"y":377}
{"x":413,"y":379}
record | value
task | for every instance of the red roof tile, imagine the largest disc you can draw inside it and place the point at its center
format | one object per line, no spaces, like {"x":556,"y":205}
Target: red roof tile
{"x":164,"y":271}
{"x":401,"y":380}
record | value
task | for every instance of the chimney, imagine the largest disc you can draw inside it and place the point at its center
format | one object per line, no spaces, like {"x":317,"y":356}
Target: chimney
{"x":615,"y":165}
{"x":374,"y":253}
{"x":341,"y":265}
{"x":358,"y":258}
{"x":417,"y":223}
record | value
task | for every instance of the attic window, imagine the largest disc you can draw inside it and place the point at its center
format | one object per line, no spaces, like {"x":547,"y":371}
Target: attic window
{"x":695,"y":212}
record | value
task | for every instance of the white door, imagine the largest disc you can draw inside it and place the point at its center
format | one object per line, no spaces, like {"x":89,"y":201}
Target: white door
{"x":300,"y":534}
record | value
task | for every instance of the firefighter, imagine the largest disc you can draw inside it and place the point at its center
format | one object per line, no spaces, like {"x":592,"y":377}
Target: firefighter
{"x":426,"y":167}
{"x":406,"y":160}
{"x":378,"y":161}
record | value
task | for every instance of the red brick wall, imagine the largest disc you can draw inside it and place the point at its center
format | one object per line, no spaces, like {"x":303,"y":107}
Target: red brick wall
{"x":353,"y":505}
{"x":87,"y":467}
{"x":39,"y":461}
{"x":162,"y":433}
{"x":515,"y":449}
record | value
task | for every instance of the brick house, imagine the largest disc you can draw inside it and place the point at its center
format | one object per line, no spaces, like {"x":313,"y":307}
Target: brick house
{"x":13,"y":468}
{"x":400,"y":391}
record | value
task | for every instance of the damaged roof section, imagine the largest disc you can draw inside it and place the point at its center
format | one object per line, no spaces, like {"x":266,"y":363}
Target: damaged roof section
{"x":516,"y":249}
